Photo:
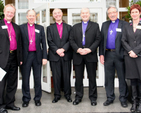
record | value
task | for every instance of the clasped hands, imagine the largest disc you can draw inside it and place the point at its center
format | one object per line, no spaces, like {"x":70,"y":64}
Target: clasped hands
{"x":132,"y":54}
{"x":60,"y":52}
{"x":84,"y":51}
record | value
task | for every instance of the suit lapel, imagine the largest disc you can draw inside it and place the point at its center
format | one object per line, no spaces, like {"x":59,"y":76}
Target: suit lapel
{"x":36,"y":34}
{"x":89,"y":25}
{"x":56,"y":30}
{"x":15,"y":31}
{"x":5,"y":30}
{"x":26,"y":31}
{"x":120,"y":27}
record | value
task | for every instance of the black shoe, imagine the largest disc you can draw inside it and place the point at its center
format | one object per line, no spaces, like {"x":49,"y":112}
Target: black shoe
{"x":55,"y":100}
{"x":37,"y":102}
{"x":13,"y":108}
{"x":2,"y":110}
{"x":25,"y":104}
{"x":69,"y":99}
{"x":76,"y":101}
{"x":93,"y":103}
{"x":107,"y":102}
{"x":124,"y":104}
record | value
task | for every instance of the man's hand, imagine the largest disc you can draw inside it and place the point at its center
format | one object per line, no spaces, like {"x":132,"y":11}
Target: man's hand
{"x":102,"y":59}
{"x":132,"y":54}
{"x":44,"y":61}
{"x":60,"y":52}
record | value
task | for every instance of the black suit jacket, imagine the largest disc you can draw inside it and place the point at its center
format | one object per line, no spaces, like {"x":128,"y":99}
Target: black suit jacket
{"x":5,"y":44}
{"x":55,"y":42}
{"x":104,"y":33}
{"x":131,"y":40}
{"x":92,"y":40}
{"x":41,"y":49}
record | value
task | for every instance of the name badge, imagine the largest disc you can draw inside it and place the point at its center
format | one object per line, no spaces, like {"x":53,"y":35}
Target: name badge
{"x":37,"y":31}
{"x":4,"y":27}
{"x":138,"y":27}
{"x":118,"y":29}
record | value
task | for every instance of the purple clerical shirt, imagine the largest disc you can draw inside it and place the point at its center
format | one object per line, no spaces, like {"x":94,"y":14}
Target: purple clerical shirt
{"x":112,"y":35}
{"x":12,"y":34}
{"x":31,"y":35}
{"x":60,"y":29}
{"x":84,"y":26}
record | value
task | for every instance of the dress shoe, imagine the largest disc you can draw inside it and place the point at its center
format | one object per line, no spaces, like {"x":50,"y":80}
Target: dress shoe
{"x":55,"y":100}
{"x":2,"y":110}
{"x":25,"y":104}
{"x":69,"y":99}
{"x":124,"y":104}
{"x":13,"y":108}
{"x":37,"y":102}
{"x":107,"y":102}
{"x":93,"y":103}
{"x":76,"y":101}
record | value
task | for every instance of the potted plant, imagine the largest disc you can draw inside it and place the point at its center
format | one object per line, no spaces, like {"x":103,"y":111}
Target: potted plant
{"x":1,"y":10}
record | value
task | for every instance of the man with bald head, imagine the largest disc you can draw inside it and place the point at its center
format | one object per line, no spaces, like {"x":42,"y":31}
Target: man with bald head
{"x":84,"y":39}
{"x":10,"y":58}
{"x":34,"y":56}
{"x":60,"y":55}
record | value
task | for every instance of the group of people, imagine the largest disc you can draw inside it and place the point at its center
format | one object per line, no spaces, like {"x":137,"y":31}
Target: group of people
{"x":119,"y":45}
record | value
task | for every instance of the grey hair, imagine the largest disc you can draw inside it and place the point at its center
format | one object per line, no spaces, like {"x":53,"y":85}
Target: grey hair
{"x":112,"y":6}
{"x":55,"y":9}
{"x":30,"y":10}
{"x":85,"y":8}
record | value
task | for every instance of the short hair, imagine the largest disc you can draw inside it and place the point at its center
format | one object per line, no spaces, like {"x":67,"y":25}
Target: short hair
{"x":112,"y":6}
{"x":9,"y":5}
{"x":30,"y":10}
{"x":85,"y":8}
{"x":55,"y":9}
{"x":135,"y":6}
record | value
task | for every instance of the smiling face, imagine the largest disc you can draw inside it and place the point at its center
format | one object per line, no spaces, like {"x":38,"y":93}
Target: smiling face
{"x":85,"y":14}
{"x":112,"y":13}
{"x":135,"y":14}
{"x":9,"y":13}
{"x":31,"y":17}
{"x":57,"y":15}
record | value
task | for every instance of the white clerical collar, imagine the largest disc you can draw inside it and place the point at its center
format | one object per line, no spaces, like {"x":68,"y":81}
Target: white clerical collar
{"x":113,"y":21}
{"x":8,"y":22}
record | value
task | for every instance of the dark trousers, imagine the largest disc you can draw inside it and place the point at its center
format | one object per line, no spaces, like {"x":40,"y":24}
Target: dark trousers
{"x":111,"y":63}
{"x":8,"y":85}
{"x":61,"y":69}
{"x":26,"y":69}
{"x":79,"y":72}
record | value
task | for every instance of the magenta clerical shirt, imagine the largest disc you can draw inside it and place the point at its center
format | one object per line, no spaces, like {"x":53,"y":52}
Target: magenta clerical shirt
{"x":31,"y":35}
{"x":60,"y":29}
{"x":11,"y":33}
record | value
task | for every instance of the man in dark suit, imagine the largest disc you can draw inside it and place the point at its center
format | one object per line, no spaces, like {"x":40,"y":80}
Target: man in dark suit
{"x":111,"y":55}
{"x":60,"y":55}
{"x":84,"y":39}
{"x":34,"y":55}
{"x":10,"y":58}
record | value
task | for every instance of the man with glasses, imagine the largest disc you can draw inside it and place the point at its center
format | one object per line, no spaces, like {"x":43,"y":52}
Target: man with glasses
{"x":111,"y":55}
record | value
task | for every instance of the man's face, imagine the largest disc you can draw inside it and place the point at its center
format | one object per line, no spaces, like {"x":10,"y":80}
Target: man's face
{"x":9,"y":13}
{"x":57,"y":15}
{"x":112,"y":14}
{"x":85,"y":14}
{"x":31,"y":17}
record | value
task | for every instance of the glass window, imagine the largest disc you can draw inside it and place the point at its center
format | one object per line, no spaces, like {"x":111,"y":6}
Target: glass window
{"x":22,"y":4}
{"x":110,"y":2}
{"x":123,"y":3}
{"x":38,"y":17}
{"x":43,"y":15}
{"x":22,"y":18}
{"x":122,"y":16}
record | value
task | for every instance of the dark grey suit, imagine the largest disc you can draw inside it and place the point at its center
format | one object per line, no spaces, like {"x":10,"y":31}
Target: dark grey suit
{"x":60,"y":66}
{"x":113,"y":61}
{"x":34,"y":60}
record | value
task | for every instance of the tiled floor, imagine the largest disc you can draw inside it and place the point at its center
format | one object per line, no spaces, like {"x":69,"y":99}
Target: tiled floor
{"x":62,"y":106}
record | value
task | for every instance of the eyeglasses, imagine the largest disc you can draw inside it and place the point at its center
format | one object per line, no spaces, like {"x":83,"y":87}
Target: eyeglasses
{"x":112,"y":13}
